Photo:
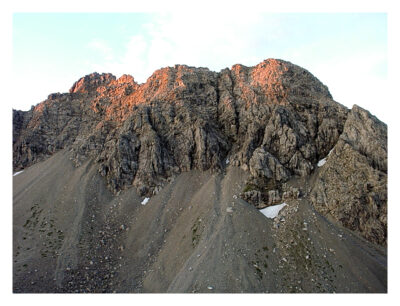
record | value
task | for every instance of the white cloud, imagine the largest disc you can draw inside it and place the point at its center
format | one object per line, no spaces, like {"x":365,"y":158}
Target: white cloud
{"x":134,"y":58}
{"x":221,"y":39}
{"x":212,"y":40}
{"x":101,"y":48}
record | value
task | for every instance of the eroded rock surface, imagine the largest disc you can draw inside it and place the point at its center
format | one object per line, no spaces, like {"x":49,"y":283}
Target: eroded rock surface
{"x":274,"y":120}
{"x":352,"y":184}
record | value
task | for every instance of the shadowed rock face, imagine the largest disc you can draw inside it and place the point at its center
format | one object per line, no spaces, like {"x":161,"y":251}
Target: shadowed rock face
{"x":352,"y":185}
{"x":274,"y":120}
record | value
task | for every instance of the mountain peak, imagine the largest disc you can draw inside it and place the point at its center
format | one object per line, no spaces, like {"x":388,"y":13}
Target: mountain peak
{"x":91,"y":81}
{"x":274,"y":120}
{"x":154,"y":187}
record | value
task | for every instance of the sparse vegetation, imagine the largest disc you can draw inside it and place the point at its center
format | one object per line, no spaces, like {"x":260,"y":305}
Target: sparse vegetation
{"x":249,"y":187}
{"x":52,"y":238}
{"x":196,"y":232}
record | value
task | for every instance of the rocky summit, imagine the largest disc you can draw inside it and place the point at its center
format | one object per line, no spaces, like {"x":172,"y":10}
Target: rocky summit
{"x":160,"y":187}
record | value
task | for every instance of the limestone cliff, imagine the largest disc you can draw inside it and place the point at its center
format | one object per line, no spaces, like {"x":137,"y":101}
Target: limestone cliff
{"x":274,"y":120}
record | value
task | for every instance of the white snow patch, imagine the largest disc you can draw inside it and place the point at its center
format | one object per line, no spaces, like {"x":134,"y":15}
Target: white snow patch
{"x":227,"y":161}
{"x":272,"y":211}
{"x":16,"y":173}
{"x":145,"y":200}
{"x":321,"y":162}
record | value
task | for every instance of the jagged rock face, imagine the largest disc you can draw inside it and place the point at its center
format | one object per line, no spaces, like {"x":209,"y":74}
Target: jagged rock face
{"x":352,"y":184}
{"x":91,"y":82}
{"x":45,"y":129}
{"x":186,"y":118}
{"x":275,"y":120}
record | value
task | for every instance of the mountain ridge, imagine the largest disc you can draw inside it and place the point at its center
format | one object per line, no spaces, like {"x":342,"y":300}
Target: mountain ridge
{"x":274,"y":120}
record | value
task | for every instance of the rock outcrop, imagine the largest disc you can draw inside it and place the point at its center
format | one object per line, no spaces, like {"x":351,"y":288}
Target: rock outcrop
{"x":275,"y":120}
{"x":91,"y":82}
{"x":352,"y":184}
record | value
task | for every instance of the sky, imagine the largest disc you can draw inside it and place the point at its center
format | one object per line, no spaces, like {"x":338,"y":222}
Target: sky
{"x":346,"y":51}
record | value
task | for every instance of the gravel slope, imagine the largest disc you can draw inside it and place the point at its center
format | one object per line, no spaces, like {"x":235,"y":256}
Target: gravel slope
{"x":195,"y":235}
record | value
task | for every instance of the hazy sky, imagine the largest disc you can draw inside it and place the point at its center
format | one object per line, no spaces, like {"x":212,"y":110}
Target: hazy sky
{"x":346,"y":51}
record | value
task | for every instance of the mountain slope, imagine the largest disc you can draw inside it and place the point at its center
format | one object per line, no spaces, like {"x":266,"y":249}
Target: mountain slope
{"x":207,"y":148}
{"x":198,"y":239}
